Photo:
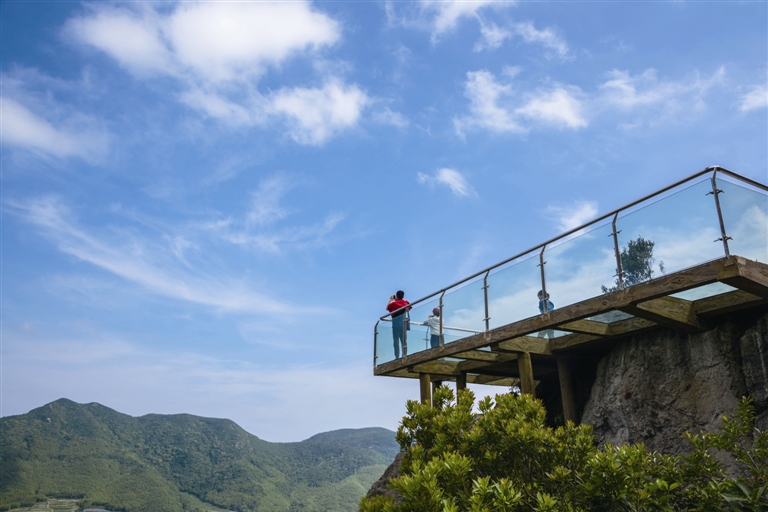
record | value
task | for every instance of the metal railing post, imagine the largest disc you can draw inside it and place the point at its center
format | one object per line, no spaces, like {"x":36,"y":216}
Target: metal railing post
{"x":543,"y":280}
{"x":375,"y":339}
{"x":485,"y":299}
{"x":442,"y":338}
{"x":405,"y":334}
{"x":716,"y":193}
{"x":619,"y":266}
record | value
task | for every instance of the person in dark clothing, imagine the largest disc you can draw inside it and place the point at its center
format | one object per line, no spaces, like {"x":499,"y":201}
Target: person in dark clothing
{"x":396,"y":302}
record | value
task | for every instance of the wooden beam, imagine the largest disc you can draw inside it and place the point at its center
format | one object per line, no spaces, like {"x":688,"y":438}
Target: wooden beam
{"x":477,"y":355}
{"x":491,"y":380}
{"x":527,"y":385}
{"x":566,"y":390}
{"x":529,"y":344}
{"x":586,"y":327}
{"x":752,"y":277}
{"x":435,"y":384}
{"x":725,"y":302}
{"x":571,"y":341}
{"x":630,"y":325}
{"x":669,"y":311}
{"x":461,"y":382}
{"x":424,"y":390}
{"x":440,"y":366}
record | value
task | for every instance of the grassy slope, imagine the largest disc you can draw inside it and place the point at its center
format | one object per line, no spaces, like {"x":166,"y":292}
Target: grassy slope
{"x":181,"y":462}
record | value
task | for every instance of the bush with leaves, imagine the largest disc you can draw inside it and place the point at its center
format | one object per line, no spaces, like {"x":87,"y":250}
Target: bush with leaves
{"x":507,"y":459}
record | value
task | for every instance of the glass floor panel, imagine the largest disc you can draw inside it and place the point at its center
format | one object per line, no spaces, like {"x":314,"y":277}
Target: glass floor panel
{"x":610,"y":317}
{"x":702,"y":292}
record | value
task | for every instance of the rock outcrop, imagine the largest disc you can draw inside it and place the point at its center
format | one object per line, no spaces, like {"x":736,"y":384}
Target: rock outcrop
{"x":654,"y":386}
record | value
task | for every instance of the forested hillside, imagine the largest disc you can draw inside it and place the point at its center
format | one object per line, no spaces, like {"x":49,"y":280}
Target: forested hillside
{"x":181,"y":462}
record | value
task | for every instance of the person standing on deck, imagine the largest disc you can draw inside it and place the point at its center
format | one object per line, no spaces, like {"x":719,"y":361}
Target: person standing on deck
{"x":396,"y":302}
{"x":545,"y":306}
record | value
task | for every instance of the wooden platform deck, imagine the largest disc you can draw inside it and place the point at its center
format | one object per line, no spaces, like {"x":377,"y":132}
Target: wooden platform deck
{"x":514,"y":354}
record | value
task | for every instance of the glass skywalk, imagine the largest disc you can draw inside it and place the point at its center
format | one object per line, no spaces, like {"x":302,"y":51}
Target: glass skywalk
{"x":710,"y":215}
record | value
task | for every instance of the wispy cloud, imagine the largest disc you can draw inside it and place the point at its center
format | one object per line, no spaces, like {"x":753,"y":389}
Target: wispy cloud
{"x":74,"y":134}
{"x":218,"y":51}
{"x":755,"y":99}
{"x":573,"y":215}
{"x":493,"y":36}
{"x":154,"y":265}
{"x":259,"y":227}
{"x":450,"y":178}
{"x":495,"y":106}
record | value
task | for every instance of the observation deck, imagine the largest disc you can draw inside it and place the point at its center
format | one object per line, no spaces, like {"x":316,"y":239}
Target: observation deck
{"x":677,"y":258}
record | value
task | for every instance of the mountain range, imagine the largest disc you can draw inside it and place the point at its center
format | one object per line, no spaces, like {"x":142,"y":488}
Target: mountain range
{"x":181,"y":462}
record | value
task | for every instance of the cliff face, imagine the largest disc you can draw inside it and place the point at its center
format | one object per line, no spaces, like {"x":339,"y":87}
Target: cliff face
{"x":653,"y":387}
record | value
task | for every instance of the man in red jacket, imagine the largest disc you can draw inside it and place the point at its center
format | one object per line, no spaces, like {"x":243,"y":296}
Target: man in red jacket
{"x":396,"y":302}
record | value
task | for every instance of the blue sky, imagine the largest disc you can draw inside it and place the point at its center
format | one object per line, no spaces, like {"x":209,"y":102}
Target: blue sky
{"x":205,"y":206}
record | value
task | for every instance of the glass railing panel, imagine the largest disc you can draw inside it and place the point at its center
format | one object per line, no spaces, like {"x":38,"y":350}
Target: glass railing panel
{"x":384,"y":345}
{"x":419,"y":336}
{"x":576,"y":269}
{"x":672,"y":234}
{"x":464,"y":311}
{"x":512,"y":291}
{"x":745,"y":215}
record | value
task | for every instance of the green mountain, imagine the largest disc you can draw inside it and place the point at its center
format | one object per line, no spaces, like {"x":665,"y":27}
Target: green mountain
{"x":181,"y":462}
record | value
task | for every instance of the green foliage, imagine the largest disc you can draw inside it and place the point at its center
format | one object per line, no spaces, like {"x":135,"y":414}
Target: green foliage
{"x":180,"y":462}
{"x":636,"y":263}
{"x":507,"y":459}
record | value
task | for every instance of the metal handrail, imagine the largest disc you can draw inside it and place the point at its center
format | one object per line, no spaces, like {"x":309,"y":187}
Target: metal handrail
{"x":712,"y":169}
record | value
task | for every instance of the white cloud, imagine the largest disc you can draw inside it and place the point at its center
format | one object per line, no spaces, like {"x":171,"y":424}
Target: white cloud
{"x":75,"y":135}
{"x":755,"y":99}
{"x":387,"y":116}
{"x":627,"y":92}
{"x":314,"y":115}
{"x":493,"y":106}
{"x":573,"y":215}
{"x":493,"y":36}
{"x":132,"y":38}
{"x":558,"y":107}
{"x":151,"y":265}
{"x":448,"y":13}
{"x":547,"y":37}
{"x":217,"y":41}
{"x":451,"y":178}
{"x":484,"y":94}
{"x":218,"y":51}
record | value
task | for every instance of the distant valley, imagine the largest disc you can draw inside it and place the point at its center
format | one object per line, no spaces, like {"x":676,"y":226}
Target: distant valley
{"x":167,"y":463}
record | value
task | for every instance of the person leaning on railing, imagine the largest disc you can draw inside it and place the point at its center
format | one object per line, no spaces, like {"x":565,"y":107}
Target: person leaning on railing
{"x":433,"y":321}
{"x":396,"y":302}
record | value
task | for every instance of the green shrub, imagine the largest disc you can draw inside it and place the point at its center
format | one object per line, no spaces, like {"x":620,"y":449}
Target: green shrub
{"x":507,"y":459}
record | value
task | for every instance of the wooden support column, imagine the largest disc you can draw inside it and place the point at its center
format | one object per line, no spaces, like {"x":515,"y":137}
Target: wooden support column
{"x":461,"y":383}
{"x":566,"y":390}
{"x":527,"y":385}
{"x":435,"y":384}
{"x":425,"y":391}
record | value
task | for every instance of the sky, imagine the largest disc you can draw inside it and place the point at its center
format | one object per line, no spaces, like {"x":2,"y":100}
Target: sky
{"x":206,"y":205}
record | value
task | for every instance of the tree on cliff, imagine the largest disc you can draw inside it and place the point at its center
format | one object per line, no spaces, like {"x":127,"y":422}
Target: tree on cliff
{"x":636,"y":262}
{"x":507,"y":459}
